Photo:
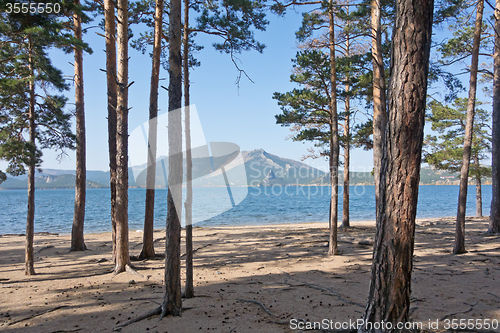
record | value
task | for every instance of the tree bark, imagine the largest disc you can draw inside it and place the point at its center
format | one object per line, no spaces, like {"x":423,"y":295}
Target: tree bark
{"x":390,"y":285}
{"x":459,"y":246}
{"x":379,"y":98}
{"x":148,"y":250}
{"x":30,"y":219}
{"x":172,"y":302}
{"x":110,"y":27}
{"x":77,"y":240}
{"x":479,"y":198}
{"x":189,"y":290}
{"x":494,"y":226}
{"x":334,"y":139}
{"x":122,"y":246}
{"x":347,"y":146}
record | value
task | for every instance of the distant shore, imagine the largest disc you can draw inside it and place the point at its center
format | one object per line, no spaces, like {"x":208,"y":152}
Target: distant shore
{"x":302,"y":185}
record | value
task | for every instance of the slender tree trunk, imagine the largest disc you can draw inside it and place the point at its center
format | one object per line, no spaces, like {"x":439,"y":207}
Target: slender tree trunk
{"x":77,"y":241}
{"x":479,"y":196}
{"x":347,"y":176}
{"x":379,"y":98}
{"x":189,"y":290}
{"x":148,"y":250}
{"x":459,"y":246}
{"x":347,"y":146}
{"x":29,"y":268}
{"x":110,"y":27}
{"x":494,"y":226}
{"x":172,"y":302}
{"x":390,"y":285}
{"x":334,"y":139}
{"x":122,"y":247}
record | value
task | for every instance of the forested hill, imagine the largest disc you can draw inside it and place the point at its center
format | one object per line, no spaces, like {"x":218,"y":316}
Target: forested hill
{"x":262,"y":169}
{"x":48,"y":182}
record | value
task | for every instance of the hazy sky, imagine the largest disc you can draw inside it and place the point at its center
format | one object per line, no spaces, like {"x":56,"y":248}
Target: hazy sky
{"x":244,"y":116}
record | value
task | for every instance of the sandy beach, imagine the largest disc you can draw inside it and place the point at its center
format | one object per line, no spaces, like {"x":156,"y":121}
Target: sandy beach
{"x":247,"y":279}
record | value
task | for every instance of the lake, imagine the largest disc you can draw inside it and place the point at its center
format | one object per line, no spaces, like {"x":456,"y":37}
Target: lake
{"x":213,"y":206}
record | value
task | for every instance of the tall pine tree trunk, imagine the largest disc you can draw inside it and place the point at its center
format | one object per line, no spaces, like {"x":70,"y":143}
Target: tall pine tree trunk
{"x":172,"y":302}
{"x":479,"y":195}
{"x":379,"y":98}
{"x":77,"y":241}
{"x":347,"y":146}
{"x":189,"y":290}
{"x":347,"y":162}
{"x":110,"y":26}
{"x":494,"y":226}
{"x":29,"y":268}
{"x":148,"y":250}
{"x":334,"y":139}
{"x":122,"y":246}
{"x":459,"y":246}
{"x":390,"y":285}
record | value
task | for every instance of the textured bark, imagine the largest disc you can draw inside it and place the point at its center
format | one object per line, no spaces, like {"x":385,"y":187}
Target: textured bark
{"x":109,"y":26}
{"x":189,"y":290}
{"x":77,"y":240}
{"x":122,"y":246}
{"x":148,"y":250}
{"x":347,"y":146}
{"x":172,"y":302}
{"x":334,"y":139}
{"x":459,"y":246}
{"x":479,"y":198}
{"x":390,"y":285}
{"x":379,"y":98}
{"x":29,"y":268}
{"x":479,"y":195}
{"x":494,"y":226}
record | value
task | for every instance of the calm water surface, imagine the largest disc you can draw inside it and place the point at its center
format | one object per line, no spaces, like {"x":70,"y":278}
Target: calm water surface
{"x":211,"y":207}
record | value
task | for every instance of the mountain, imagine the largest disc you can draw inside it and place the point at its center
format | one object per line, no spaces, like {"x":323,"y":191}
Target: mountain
{"x":52,"y":180}
{"x":255,"y":168}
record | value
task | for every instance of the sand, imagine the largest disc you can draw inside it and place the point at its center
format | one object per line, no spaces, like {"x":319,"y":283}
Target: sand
{"x":284,"y":268}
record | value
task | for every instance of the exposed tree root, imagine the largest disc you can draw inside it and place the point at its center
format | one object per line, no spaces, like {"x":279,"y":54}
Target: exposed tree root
{"x":155,"y":312}
{"x":258,"y":303}
{"x":44,"y":248}
{"x":462,"y":312}
{"x":198,"y":248}
{"x":158,"y":256}
{"x":159,"y":239}
{"x":129,"y":269}
{"x":37,"y":315}
{"x":318,"y":287}
{"x":493,"y":295}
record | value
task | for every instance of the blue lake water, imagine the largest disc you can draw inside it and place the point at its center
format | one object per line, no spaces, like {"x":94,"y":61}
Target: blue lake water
{"x":211,"y":207}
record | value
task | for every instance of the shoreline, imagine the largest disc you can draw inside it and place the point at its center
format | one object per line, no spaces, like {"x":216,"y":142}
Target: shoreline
{"x":353,"y":224}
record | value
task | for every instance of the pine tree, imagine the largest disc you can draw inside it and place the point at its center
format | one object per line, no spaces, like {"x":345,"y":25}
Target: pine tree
{"x":445,"y":151}
{"x":172,"y":302}
{"x":494,"y":226}
{"x":459,"y":246}
{"x":31,"y":118}
{"x":390,"y":284}
{"x":77,"y":239}
{"x":112,"y":88}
